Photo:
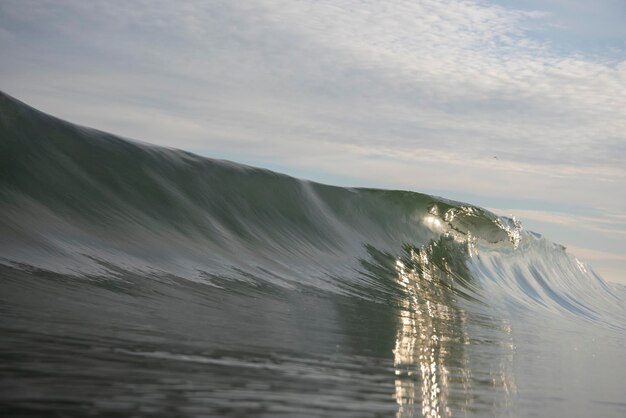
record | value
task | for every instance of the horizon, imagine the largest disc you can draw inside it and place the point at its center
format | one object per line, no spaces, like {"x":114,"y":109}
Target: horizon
{"x":517,"y":107}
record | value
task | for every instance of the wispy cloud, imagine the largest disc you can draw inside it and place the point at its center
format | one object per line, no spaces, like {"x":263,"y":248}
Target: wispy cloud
{"x":592,"y":255}
{"x":602,"y":222}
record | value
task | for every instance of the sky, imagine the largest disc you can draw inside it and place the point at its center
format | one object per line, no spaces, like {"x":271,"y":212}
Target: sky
{"x":514,"y":105}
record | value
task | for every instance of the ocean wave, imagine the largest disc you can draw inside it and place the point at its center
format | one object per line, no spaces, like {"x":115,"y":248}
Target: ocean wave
{"x":89,"y":219}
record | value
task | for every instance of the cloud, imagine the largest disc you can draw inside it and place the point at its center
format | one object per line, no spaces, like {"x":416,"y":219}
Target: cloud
{"x":603,"y":223}
{"x":568,"y":218}
{"x":594,"y":255}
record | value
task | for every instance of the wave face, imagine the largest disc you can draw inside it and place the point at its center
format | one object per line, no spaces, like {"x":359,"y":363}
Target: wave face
{"x":151,"y":281}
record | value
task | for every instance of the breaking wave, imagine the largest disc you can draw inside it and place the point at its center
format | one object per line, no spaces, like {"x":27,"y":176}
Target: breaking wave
{"x":83,"y":210}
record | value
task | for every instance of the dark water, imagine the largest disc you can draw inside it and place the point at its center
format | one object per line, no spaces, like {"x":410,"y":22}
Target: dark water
{"x":142,"y":281}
